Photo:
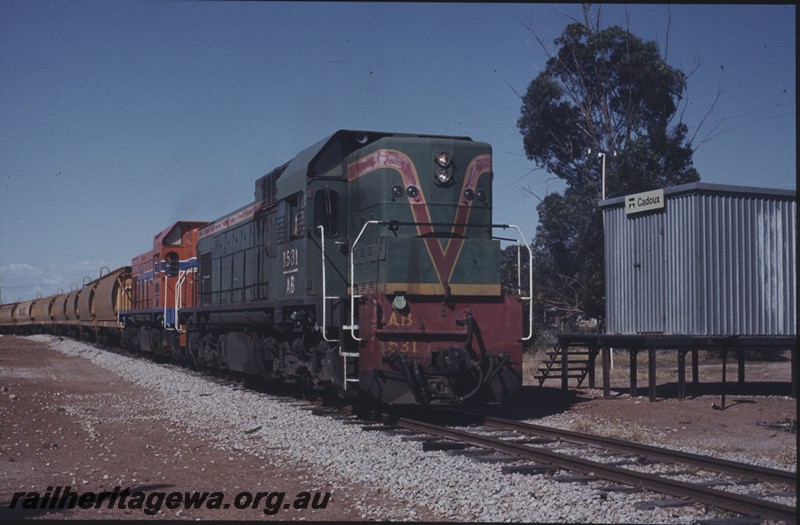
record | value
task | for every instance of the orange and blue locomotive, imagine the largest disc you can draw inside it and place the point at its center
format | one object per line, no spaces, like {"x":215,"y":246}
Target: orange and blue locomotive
{"x":163,"y":280}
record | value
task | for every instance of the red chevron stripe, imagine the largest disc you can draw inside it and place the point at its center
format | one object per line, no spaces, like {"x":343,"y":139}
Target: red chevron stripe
{"x":445,"y":257}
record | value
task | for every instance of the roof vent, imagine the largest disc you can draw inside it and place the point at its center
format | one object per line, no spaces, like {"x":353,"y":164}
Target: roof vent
{"x":267,"y":187}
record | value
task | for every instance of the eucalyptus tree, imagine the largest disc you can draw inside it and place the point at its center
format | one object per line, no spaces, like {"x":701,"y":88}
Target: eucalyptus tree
{"x":602,"y":91}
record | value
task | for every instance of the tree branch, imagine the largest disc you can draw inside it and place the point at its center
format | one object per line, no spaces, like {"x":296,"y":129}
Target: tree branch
{"x":708,"y":113}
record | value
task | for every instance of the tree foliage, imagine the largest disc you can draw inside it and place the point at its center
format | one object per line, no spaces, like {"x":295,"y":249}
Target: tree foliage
{"x":603,"y":90}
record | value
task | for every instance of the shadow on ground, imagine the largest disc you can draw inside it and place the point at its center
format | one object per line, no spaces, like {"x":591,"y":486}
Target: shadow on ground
{"x":532,"y":402}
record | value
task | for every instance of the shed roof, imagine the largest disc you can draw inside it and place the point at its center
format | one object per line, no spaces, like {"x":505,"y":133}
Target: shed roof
{"x":708,"y":188}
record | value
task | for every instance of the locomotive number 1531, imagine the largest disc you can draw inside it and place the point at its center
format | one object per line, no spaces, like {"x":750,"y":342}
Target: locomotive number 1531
{"x":291,"y":264}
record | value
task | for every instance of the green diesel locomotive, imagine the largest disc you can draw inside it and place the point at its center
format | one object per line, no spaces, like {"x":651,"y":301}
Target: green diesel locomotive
{"x":366,"y":263}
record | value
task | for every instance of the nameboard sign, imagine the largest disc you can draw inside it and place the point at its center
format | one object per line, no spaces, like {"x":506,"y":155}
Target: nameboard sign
{"x":642,"y":202}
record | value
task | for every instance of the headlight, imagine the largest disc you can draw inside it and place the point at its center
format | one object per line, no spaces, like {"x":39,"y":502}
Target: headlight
{"x":412,"y":192}
{"x":443,"y":159}
{"x":443,"y":176}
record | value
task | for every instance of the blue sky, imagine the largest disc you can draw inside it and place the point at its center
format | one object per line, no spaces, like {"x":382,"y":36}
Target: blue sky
{"x":120,"y":117}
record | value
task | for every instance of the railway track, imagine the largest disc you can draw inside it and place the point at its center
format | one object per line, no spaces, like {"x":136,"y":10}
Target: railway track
{"x":707,"y":463}
{"x":524,"y":445}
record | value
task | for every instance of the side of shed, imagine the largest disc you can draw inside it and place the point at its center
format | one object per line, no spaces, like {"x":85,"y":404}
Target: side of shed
{"x":715,"y":260}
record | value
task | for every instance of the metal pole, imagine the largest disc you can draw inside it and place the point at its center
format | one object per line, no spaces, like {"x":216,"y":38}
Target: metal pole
{"x":651,"y":372}
{"x":602,"y":155}
{"x":633,"y":369}
{"x":724,"y":372}
{"x":603,"y":176}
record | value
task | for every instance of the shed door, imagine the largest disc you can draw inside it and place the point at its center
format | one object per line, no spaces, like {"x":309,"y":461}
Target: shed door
{"x":649,"y":271}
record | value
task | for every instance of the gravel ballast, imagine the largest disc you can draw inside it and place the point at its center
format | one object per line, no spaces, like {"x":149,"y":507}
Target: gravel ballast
{"x":453,"y":487}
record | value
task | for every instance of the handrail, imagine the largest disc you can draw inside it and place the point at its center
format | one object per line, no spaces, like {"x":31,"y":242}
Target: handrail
{"x":393,"y":224}
{"x":325,"y":297}
{"x":519,"y":268}
{"x":519,"y":276}
{"x":164,"y":291}
{"x":179,"y":298}
{"x":352,"y":327}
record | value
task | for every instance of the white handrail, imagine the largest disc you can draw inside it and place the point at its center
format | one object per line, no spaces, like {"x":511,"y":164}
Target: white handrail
{"x":164,"y":291}
{"x":519,"y":268}
{"x":353,"y":294}
{"x":179,"y":298}
{"x":325,"y":296}
{"x":530,"y":279}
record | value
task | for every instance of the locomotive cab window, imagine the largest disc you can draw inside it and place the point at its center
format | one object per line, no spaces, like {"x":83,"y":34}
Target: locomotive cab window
{"x":326,"y":211}
{"x":291,"y":218}
{"x":296,"y":215}
{"x":174,"y":237}
{"x":172,"y":264}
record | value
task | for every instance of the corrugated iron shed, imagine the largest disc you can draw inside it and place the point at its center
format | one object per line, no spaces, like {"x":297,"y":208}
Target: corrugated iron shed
{"x":714,"y":260}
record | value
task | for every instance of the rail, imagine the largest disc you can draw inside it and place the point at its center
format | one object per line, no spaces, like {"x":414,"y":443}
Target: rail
{"x":697,"y":460}
{"x":739,"y":503}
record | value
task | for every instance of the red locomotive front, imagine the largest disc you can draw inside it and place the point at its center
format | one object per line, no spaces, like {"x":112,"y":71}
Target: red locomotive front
{"x":430,"y":323}
{"x":164,"y":282}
